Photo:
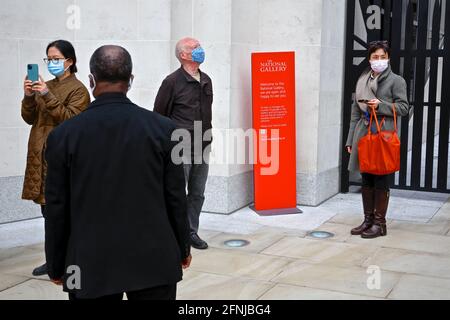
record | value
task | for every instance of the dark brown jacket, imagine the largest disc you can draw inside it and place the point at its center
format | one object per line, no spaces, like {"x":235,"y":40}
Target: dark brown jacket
{"x":185,"y":100}
{"x":64,"y":100}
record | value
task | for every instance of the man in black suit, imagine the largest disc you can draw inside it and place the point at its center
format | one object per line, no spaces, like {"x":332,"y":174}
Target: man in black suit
{"x":116,"y":217}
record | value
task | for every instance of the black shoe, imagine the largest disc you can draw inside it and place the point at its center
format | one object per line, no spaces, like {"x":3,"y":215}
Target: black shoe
{"x":198,"y":243}
{"x":40,"y":271}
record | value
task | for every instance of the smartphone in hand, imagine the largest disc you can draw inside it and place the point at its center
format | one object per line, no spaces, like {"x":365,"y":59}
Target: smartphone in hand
{"x":33,"y":72}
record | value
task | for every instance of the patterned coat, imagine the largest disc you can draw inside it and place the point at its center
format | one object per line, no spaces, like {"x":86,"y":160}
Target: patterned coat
{"x":65,"y":99}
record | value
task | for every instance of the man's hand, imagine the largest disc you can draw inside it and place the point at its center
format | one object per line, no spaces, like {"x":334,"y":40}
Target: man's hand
{"x":186,"y":262}
{"x":373,"y":104}
{"x":40,"y":87}
{"x":349,"y":149}
{"x":58,"y":282}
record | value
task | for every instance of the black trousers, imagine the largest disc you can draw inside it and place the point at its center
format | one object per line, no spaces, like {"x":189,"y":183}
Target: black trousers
{"x":377,"y":182}
{"x":168,"y":292}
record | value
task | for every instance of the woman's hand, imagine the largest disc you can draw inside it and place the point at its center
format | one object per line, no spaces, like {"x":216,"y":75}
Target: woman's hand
{"x":349,"y":149}
{"x":40,"y":87}
{"x":373,"y":104}
{"x":28,"y":87}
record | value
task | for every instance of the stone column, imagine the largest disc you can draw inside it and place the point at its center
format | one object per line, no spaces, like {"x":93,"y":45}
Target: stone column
{"x":235,"y":29}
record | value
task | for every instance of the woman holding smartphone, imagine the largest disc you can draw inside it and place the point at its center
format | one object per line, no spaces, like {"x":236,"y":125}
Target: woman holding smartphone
{"x":44,"y":106}
{"x":377,"y":89}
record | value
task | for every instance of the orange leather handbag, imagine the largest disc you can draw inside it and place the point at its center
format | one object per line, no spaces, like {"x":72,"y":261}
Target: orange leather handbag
{"x":379,"y":153}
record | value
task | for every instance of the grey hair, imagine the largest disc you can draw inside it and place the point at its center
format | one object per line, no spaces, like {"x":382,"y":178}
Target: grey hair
{"x":181,"y":46}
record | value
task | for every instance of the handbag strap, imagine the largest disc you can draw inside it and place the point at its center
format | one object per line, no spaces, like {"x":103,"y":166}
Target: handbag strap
{"x":395,"y":117}
{"x":374,"y":115}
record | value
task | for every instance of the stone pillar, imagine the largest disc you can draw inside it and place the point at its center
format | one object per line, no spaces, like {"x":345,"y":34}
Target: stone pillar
{"x":229,"y":186}
{"x":230,"y":30}
{"x":315,"y":30}
{"x":142,"y":27}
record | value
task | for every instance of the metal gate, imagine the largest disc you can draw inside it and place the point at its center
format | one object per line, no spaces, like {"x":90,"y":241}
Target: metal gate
{"x":419,"y":35}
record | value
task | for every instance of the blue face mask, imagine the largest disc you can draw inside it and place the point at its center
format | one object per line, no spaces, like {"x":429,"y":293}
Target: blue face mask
{"x":57,"y":69}
{"x":198,"y":55}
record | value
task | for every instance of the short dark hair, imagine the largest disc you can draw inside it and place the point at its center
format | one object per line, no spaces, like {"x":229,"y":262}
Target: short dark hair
{"x":376,"y":45}
{"x":67,"y":50}
{"x":111,"y":64}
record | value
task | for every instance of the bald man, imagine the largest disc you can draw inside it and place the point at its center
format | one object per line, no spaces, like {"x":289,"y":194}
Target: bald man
{"x":116,"y":217}
{"x":186,"y":97}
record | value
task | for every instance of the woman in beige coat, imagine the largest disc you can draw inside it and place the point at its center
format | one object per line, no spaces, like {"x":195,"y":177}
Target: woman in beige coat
{"x":44,"y":106}
{"x":377,"y":89}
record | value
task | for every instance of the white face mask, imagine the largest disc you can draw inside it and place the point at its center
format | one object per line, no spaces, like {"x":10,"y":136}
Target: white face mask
{"x":379,"y":66}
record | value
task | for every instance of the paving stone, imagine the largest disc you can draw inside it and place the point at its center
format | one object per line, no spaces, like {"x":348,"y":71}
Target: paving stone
{"x":258,"y":240}
{"x":287,"y":292}
{"x":323,"y":252}
{"x":407,"y":240}
{"x":410,"y":262}
{"x":352,"y":280}
{"x":205,"y":286}
{"x":8,"y":281}
{"x":34,"y":290}
{"x":238,"y":263}
{"x":412,"y":287}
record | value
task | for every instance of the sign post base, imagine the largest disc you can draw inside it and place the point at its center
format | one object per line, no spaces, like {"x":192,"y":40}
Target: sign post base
{"x":276,"y":212}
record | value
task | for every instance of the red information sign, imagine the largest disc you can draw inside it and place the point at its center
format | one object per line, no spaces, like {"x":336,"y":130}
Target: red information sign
{"x":273,"y":89}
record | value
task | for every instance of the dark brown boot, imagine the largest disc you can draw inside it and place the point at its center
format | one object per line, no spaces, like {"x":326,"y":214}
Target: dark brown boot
{"x":368,"y":198}
{"x":381,"y":205}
